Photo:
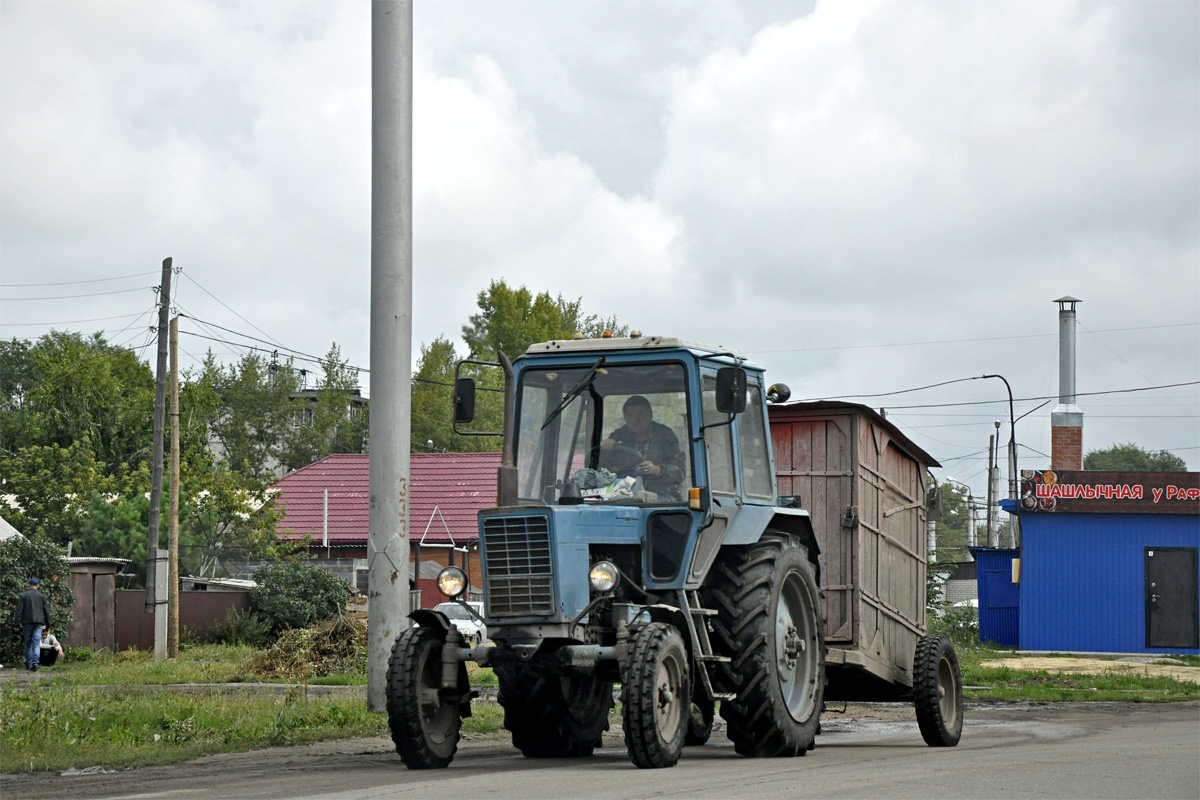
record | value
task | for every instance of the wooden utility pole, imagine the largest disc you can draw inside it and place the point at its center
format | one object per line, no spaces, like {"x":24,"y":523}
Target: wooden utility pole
{"x":173,"y":507}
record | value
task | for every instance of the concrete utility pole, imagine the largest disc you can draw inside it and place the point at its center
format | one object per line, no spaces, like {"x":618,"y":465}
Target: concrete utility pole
{"x":990,"y":523}
{"x":156,"y":597}
{"x":391,"y":336}
{"x":994,"y":490}
{"x":173,"y":504}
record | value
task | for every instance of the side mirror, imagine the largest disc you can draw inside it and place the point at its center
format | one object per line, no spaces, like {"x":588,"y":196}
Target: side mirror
{"x":731,"y":390}
{"x":464,"y":400}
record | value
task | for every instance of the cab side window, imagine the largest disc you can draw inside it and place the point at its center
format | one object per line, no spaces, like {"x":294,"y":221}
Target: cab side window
{"x":752,"y":439}
{"x":719,"y":442}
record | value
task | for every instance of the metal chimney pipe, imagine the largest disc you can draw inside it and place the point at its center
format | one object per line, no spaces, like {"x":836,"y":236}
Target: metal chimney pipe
{"x":1066,"y":419}
{"x":1066,"y":350}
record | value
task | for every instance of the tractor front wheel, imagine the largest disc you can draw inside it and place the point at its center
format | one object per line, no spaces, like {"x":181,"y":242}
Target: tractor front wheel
{"x":424,"y":726}
{"x":656,"y":695}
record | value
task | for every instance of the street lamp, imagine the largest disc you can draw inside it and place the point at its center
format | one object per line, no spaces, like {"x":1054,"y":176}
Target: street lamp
{"x":1014,"y":530}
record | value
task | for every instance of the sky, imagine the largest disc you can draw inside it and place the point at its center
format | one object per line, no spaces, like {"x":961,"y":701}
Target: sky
{"x":863,"y":197}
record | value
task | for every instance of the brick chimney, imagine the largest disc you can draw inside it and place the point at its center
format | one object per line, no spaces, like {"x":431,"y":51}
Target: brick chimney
{"x":1066,"y":420}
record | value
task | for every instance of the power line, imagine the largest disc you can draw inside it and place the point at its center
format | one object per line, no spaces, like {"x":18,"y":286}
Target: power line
{"x":276,"y":345}
{"x":1041,"y":397}
{"x":69,"y":321}
{"x":960,"y":341}
{"x":236,"y":314}
{"x":75,"y":283}
{"x":72,"y":296}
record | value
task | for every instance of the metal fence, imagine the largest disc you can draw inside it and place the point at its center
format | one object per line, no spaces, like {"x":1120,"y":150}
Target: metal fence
{"x":198,"y":611}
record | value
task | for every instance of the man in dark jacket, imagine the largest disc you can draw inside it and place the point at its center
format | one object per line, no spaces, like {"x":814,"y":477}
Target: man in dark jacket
{"x":647,"y":449}
{"x":33,"y":614}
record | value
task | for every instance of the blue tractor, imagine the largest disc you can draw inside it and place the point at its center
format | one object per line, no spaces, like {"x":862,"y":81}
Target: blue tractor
{"x":638,"y":539}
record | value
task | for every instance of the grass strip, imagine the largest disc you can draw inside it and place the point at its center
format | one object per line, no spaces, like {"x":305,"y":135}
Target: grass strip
{"x":56,"y":728}
{"x":1041,"y":686}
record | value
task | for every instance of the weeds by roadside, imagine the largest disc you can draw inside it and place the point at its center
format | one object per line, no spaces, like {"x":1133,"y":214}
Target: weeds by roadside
{"x":47,"y":727}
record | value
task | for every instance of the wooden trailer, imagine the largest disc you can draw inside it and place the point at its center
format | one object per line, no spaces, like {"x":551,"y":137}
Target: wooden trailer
{"x":867,"y":488}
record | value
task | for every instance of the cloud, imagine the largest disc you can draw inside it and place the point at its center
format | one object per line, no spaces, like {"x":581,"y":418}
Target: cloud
{"x":869,"y":197}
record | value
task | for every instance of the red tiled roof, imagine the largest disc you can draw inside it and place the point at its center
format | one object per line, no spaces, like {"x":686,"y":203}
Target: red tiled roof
{"x":448,"y":491}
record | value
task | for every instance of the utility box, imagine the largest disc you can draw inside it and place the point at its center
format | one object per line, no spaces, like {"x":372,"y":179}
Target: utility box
{"x":866,"y":486}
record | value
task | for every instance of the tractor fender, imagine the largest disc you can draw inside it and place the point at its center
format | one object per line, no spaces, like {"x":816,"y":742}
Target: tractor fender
{"x":751,"y":522}
{"x":671,"y":615}
{"x":428,"y":618}
{"x":799,"y":524}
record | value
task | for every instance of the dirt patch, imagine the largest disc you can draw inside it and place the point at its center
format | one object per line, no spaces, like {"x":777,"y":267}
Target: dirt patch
{"x":1096,"y":666}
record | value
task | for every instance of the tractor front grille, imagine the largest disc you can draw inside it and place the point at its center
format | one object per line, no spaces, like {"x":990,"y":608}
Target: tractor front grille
{"x":520,"y":570}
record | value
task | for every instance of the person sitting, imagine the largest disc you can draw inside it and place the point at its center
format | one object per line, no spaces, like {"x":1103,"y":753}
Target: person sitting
{"x":51,"y":649}
{"x":647,"y":449}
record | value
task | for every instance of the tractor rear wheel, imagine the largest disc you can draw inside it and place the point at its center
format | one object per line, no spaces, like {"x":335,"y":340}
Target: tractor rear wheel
{"x":656,"y":695}
{"x":771,"y":624}
{"x":553,"y":716}
{"x":424,"y":727}
{"x":937,"y":691}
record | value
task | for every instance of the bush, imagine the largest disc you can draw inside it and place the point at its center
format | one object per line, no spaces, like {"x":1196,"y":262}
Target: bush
{"x":960,"y":623}
{"x":240,"y":627}
{"x":294,"y":594}
{"x":23,"y":558}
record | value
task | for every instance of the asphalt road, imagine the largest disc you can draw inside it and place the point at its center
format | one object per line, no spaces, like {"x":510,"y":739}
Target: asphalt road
{"x":1096,"y":750}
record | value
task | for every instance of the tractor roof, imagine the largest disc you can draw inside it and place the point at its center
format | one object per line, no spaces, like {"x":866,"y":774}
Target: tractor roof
{"x":636,"y":342}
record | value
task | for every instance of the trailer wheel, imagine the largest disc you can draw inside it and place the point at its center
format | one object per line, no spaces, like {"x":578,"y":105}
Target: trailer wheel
{"x":424,"y":727}
{"x":553,"y":716}
{"x":656,"y":695}
{"x":771,"y":624}
{"x":700,"y":721}
{"x":937,"y":691}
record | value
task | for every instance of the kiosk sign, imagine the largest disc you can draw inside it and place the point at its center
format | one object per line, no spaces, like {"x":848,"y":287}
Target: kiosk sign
{"x":1093,"y":491}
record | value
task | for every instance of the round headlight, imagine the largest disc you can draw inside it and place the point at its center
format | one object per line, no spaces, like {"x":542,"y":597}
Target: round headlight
{"x":603,"y":576}
{"x":452,"y":582}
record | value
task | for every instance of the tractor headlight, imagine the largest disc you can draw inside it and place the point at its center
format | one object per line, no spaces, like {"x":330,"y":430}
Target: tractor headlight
{"x":452,"y":582}
{"x":603,"y":576}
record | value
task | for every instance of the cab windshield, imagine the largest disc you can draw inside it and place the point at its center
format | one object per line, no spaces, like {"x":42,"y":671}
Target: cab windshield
{"x":599,"y":433}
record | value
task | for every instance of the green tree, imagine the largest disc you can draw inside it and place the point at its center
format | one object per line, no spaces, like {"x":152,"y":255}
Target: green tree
{"x":331,"y":419}
{"x":116,"y":527}
{"x":510,"y":320}
{"x":432,"y":394}
{"x":65,"y":389}
{"x":1129,"y":457}
{"x":952,"y":527}
{"x":250,"y":411}
{"x":227,"y":517}
{"x":49,"y":487}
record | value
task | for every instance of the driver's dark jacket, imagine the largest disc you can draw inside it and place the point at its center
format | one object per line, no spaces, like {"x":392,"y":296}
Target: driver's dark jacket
{"x":660,"y":447}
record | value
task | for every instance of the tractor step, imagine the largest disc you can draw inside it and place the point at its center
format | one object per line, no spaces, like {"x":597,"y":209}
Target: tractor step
{"x":714,"y":659}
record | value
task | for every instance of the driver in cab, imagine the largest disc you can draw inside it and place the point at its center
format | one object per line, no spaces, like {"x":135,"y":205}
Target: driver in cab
{"x":647,"y":449}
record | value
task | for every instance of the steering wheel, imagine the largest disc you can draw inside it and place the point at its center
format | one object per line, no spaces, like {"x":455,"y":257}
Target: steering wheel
{"x":629,"y":463}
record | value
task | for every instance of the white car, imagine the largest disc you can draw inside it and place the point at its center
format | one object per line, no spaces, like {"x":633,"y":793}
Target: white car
{"x":472,"y":629}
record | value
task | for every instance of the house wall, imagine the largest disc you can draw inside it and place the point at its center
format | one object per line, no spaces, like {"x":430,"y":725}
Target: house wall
{"x":351,"y":565}
{"x":1082,"y":581}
